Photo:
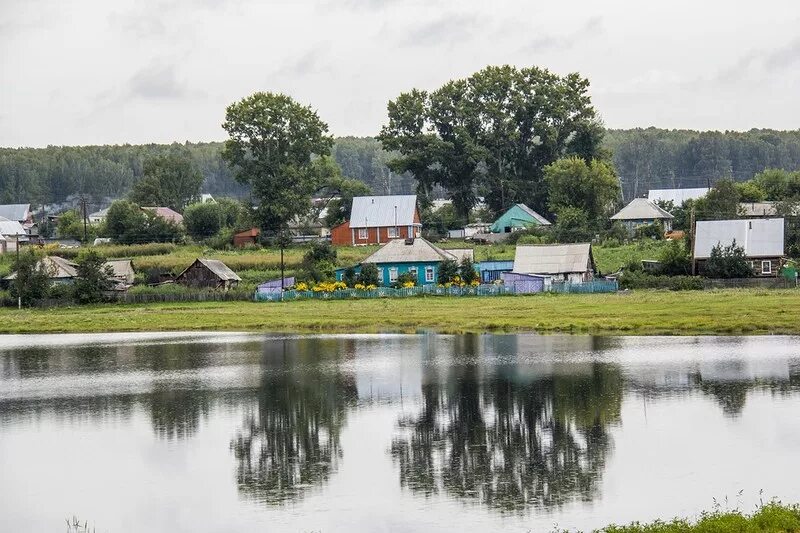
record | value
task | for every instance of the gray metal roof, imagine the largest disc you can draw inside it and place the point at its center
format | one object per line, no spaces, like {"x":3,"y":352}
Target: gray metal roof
{"x":676,"y":196}
{"x":462,"y":253}
{"x":379,"y":211}
{"x":410,"y":251}
{"x":18,"y":212}
{"x":642,"y":209}
{"x":536,"y":216}
{"x":553,"y":258}
{"x":758,"y":237}
{"x":216,"y":266}
{"x":56,"y":268}
{"x":121,"y":268}
{"x":10,"y":228}
{"x":757,"y":209}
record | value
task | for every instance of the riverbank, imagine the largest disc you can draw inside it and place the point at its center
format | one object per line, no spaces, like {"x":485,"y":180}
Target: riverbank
{"x":720,"y":312}
{"x":769,"y":518}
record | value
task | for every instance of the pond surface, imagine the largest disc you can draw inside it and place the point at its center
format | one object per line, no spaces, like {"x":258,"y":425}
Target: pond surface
{"x":234,"y":432}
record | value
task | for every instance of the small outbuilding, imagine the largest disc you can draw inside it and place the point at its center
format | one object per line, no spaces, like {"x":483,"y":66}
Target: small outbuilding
{"x":121,"y":270}
{"x":557,"y":262}
{"x":244,"y":238}
{"x":208,"y":274}
{"x":642,"y":211}
{"x":518,"y":217}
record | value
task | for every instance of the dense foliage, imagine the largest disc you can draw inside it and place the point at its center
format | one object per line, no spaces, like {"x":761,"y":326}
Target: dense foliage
{"x":492,"y":134}
{"x":728,"y":262}
{"x":127,"y":223}
{"x":93,"y":277}
{"x":170,"y":180}
{"x":33,"y":280}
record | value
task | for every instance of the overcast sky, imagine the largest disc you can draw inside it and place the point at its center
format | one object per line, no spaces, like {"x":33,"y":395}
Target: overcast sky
{"x":96,"y":72}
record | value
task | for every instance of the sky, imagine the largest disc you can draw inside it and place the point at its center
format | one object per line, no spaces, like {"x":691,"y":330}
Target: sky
{"x":136,"y":71}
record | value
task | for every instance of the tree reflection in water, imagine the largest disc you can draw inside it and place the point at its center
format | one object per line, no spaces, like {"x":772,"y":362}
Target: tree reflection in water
{"x":512,"y":436}
{"x":289,"y":443}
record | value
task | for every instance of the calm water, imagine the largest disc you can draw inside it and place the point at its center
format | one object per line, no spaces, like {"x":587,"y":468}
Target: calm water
{"x":231,"y":432}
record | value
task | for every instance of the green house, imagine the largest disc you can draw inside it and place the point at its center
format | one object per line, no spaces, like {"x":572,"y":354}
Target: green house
{"x":417,"y":257}
{"x":518,"y":217}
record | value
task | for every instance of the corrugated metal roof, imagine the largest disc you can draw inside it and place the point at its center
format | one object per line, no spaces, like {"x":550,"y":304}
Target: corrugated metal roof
{"x":461,"y":253}
{"x":552,"y":258}
{"x":641,"y":209}
{"x":758,"y":237}
{"x":536,"y":216}
{"x":56,"y":267}
{"x":676,"y":196}
{"x":10,"y":228}
{"x":121,"y":268}
{"x":379,"y":211}
{"x":18,"y":212}
{"x":409,"y":251}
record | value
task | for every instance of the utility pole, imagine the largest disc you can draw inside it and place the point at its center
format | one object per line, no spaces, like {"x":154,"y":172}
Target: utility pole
{"x":283,"y":278}
{"x":691,"y":239}
{"x":19,"y":294}
{"x":85,"y":229}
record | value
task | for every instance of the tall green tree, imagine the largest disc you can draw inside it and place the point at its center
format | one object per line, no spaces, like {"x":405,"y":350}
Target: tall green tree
{"x":127,"y":223}
{"x":492,"y":134}
{"x":721,"y":202}
{"x":202,"y":220}
{"x":32,"y":277}
{"x":272,"y":143}
{"x":94,"y":277}
{"x":171,"y":180}
{"x":592,"y":187}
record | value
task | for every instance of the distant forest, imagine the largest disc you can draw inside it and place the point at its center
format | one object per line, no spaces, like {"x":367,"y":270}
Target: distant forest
{"x":644,"y":159}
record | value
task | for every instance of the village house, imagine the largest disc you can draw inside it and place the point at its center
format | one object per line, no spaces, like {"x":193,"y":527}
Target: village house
{"x":379,"y":219}
{"x":166,"y":213}
{"x":417,"y":257}
{"x":208,"y":274}
{"x":640,"y":212}
{"x":11,"y":235}
{"x":518,"y":217}
{"x":98,"y":217}
{"x":766,"y":210}
{"x":64,"y":272}
{"x":572,"y":263}
{"x":122,"y":271}
{"x":761,"y":239}
{"x":18,"y":212}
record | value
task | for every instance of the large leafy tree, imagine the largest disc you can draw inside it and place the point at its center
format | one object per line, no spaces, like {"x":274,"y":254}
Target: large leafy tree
{"x":170,"y":180}
{"x":272,"y":144}
{"x":94,"y":277}
{"x":127,"y":223}
{"x":492,"y":134}
{"x":592,"y":187}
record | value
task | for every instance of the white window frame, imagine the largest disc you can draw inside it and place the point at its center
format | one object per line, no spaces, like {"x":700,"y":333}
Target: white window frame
{"x":393,"y":274}
{"x":363,"y":234}
{"x":414,"y":272}
{"x":392,"y":232}
{"x":429,"y":275}
{"x":767,"y":270}
{"x":380,"y":275}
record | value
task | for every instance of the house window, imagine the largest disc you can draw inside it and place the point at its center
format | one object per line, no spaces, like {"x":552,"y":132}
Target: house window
{"x":392,"y":232}
{"x":392,"y":275}
{"x":429,"y":274}
{"x":413,"y":272}
{"x":380,"y":276}
{"x":362,"y":233}
{"x":766,"y":267}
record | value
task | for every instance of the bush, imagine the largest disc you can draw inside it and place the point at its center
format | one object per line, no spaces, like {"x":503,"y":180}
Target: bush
{"x":32,"y":281}
{"x":643,"y":280}
{"x":349,"y":276}
{"x":368,"y":275}
{"x":467,"y":271}
{"x":653,"y":231}
{"x":319,"y":263}
{"x":127,"y":223}
{"x":202,"y":220}
{"x":675,"y":260}
{"x":728,"y":262}
{"x":93,"y":279}
{"x":448,"y":270}
{"x":405,"y":280}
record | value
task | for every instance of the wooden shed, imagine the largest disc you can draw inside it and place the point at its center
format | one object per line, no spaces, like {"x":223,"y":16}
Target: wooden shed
{"x":208,"y":274}
{"x":243,"y":238}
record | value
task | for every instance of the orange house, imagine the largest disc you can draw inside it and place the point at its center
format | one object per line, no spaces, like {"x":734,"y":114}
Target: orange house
{"x":377,"y":220}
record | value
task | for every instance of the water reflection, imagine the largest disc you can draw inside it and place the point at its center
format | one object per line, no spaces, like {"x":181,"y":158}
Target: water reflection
{"x":289,"y":442}
{"x":516,"y":436}
{"x":507,"y":424}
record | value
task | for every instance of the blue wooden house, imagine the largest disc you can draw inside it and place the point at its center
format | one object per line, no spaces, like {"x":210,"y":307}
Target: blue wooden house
{"x":417,"y":257}
{"x":518,"y":217}
{"x":491,"y":271}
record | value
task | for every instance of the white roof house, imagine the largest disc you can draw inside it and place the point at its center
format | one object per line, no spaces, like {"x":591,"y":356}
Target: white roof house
{"x":676,"y":196}
{"x":19,"y":212}
{"x":554,"y":259}
{"x":642,"y":209}
{"x":12,"y":228}
{"x":415,"y":251}
{"x":758,"y":237}
{"x":384,"y":211}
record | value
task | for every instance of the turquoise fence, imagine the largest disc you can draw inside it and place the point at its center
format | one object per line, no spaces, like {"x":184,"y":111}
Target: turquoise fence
{"x":586,"y":287}
{"x":430,"y":290}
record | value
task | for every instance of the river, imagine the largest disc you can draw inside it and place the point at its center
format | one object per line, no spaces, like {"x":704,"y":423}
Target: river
{"x":239,"y":432}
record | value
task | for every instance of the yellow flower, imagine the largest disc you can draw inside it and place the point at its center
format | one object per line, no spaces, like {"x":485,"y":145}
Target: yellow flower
{"x":371,"y":287}
{"x":475,"y":283}
{"x":302,"y":286}
{"x":408,"y":284}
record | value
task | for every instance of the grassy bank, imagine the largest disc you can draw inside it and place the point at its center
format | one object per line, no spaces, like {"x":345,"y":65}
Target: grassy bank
{"x":772,"y":518}
{"x":635,"y":313}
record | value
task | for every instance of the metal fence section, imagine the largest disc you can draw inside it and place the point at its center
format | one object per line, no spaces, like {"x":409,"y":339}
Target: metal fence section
{"x":432,"y":290}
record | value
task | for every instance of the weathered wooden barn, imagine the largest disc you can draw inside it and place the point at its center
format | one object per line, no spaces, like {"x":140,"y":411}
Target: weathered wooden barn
{"x":208,"y":274}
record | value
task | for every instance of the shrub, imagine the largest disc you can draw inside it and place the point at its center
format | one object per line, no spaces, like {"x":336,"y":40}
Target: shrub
{"x":653,"y":231}
{"x":643,"y":280}
{"x":33,"y":280}
{"x":405,"y":280}
{"x":368,"y":275}
{"x":675,"y":260}
{"x":93,"y":278}
{"x":728,"y":262}
{"x":448,"y":271}
{"x":349,"y":276}
{"x":202,"y":220}
{"x":467,"y":271}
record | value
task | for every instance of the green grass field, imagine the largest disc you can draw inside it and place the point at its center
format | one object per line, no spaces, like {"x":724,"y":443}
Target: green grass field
{"x":722,"y":312}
